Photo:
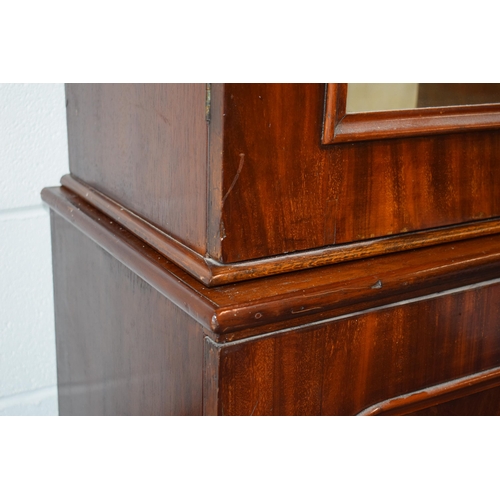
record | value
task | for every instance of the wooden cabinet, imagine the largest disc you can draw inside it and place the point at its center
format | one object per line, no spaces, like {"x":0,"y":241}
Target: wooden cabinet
{"x":251,"y":249}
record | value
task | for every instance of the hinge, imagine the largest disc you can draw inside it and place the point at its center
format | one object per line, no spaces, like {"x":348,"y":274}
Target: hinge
{"x":208,"y":101}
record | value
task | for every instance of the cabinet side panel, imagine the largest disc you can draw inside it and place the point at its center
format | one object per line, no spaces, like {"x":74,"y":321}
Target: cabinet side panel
{"x":342,"y":367}
{"x":145,"y":146}
{"x":211,"y":378}
{"x":122,"y":347}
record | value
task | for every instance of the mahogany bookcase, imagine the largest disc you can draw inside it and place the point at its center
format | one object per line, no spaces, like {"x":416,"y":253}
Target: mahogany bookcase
{"x":251,"y":249}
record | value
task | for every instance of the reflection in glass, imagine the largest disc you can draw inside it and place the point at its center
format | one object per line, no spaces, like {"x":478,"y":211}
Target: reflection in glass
{"x":363,"y":97}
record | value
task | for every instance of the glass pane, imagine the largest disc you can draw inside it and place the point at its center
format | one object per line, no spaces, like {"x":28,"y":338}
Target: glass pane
{"x":363,"y":97}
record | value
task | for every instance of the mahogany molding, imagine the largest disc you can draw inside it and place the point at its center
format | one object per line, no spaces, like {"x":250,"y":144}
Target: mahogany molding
{"x":340,"y":126}
{"x":212,"y":273}
{"x":250,"y":308}
{"x":437,"y":394}
{"x":183,"y":256}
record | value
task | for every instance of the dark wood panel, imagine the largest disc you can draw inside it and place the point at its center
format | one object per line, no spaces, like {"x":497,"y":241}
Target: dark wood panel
{"x":285,"y":192}
{"x":210,"y":377}
{"x":145,"y":145}
{"x":345,"y":366}
{"x":284,"y":197}
{"x":418,"y":183}
{"x":122,"y":347}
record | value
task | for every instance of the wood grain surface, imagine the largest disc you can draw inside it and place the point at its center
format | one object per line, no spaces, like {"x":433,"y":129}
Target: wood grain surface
{"x":212,"y":273}
{"x":450,"y":112}
{"x":145,"y":146}
{"x":122,"y":347}
{"x":255,"y":181}
{"x":480,"y":404}
{"x":464,"y":389}
{"x":253,"y":307}
{"x":212,"y":256}
{"x":284,"y":192}
{"x":342,"y":367}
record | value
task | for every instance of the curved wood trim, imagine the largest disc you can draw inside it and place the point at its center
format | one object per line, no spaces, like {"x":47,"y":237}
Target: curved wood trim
{"x":168,"y":246}
{"x":212,"y":273}
{"x":123,"y":246}
{"x":341,"y":127}
{"x":437,"y":394}
{"x":246,"y":309}
{"x":335,"y":110}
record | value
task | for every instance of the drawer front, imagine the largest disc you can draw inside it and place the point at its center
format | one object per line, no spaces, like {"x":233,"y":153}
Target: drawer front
{"x":345,"y":366}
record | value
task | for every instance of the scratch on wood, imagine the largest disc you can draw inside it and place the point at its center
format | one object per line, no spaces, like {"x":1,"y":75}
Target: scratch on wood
{"x":302,"y":310}
{"x":255,"y":406}
{"x":335,"y":226}
{"x":240,"y":167}
{"x":222,"y":230}
{"x":163,"y":117}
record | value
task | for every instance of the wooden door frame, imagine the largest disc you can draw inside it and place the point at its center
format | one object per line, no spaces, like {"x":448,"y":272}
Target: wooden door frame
{"x":340,"y":126}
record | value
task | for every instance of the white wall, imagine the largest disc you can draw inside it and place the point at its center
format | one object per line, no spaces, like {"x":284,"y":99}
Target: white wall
{"x":33,"y":154}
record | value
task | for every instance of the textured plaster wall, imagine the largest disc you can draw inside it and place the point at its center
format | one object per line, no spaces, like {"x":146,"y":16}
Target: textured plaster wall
{"x":33,"y":154}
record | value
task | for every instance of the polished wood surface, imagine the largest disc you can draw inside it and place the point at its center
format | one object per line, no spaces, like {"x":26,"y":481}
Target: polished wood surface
{"x":122,"y":347}
{"x":293,"y":194}
{"x":484,"y":403}
{"x":257,"y":306}
{"x":212,"y":273}
{"x":440,"y":395}
{"x":136,"y":335}
{"x":342,"y":367}
{"x":254,"y":181}
{"x":340,"y":126}
{"x":212,"y":256}
{"x":127,"y":347}
{"x":145,"y":145}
